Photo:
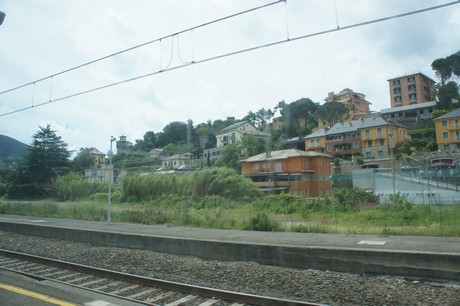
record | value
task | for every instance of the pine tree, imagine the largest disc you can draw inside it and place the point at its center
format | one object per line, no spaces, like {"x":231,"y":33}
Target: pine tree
{"x":48,"y":157}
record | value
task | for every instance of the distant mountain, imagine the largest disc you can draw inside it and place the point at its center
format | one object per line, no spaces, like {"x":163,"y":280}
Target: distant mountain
{"x":11,"y":151}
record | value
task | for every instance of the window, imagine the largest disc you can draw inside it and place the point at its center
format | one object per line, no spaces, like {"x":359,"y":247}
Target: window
{"x":256,"y":166}
{"x":277,"y":166}
{"x":368,"y":155}
{"x":356,"y":145}
{"x":369,"y":143}
{"x":457,"y":135}
{"x":411,"y":79}
{"x":398,"y":99}
{"x":329,"y":148}
{"x":382,"y":142}
{"x":412,"y":97}
{"x":411,"y":88}
{"x":397,"y":91}
{"x":367,"y":133}
{"x":379,"y":132}
{"x":444,"y":123}
{"x":456,"y":123}
{"x":396,"y":82}
{"x":380,"y":154}
{"x":445,"y":135}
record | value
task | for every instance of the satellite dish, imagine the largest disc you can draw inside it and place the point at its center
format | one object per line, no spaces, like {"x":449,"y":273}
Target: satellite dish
{"x":2,"y":17}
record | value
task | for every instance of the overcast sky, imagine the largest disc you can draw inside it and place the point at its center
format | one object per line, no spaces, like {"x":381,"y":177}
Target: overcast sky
{"x":42,"y":37}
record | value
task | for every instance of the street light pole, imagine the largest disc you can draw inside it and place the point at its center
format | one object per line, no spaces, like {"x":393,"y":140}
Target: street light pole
{"x":109,"y":210}
{"x":391,"y":144}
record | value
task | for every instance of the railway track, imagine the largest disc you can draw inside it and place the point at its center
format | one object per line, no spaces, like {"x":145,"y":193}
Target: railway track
{"x":143,"y":290}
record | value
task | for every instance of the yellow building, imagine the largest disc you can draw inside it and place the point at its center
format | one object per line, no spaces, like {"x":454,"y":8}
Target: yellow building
{"x":448,"y":131}
{"x":370,"y":137}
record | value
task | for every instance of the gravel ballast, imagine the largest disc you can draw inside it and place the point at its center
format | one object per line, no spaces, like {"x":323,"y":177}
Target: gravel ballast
{"x":327,"y":287}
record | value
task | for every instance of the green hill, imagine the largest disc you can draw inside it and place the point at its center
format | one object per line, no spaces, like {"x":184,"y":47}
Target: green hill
{"x":11,"y":151}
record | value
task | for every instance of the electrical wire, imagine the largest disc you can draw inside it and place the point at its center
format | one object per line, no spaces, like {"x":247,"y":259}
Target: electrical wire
{"x":146,"y":43}
{"x":360,"y":24}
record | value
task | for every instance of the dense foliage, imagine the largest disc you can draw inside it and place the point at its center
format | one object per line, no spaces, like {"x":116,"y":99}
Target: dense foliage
{"x":205,"y":182}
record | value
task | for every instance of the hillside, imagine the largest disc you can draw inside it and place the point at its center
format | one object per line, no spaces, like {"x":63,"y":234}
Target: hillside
{"x":11,"y":151}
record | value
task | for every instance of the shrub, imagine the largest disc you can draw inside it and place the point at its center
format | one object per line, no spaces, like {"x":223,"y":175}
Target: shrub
{"x":261,"y":223}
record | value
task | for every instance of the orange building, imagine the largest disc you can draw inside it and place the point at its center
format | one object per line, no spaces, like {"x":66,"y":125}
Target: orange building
{"x":411,"y":89}
{"x":294,"y":171}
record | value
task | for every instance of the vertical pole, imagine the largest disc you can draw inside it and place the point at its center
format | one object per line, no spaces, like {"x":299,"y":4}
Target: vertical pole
{"x":109,"y":209}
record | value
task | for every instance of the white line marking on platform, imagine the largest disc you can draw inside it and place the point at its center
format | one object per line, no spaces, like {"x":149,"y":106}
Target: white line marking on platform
{"x":371,"y":242}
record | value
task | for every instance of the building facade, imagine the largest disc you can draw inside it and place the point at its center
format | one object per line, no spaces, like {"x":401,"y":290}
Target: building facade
{"x":448,"y":131}
{"x":186,"y":161}
{"x":294,"y":171}
{"x":102,"y":175}
{"x":355,"y":101}
{"x":415,"y":116}
{"x":411,"y":89}
{"x":370,"y":137}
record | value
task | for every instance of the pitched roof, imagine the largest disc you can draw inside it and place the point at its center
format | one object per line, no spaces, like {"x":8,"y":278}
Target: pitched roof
{"x":452,"y":114}
{"x":232,"y":127}
{"x":318,"y":133}
{"x":408,"y":107}
{"x":95,"y":151}
{"x":283,"y":154}
{"x":362,"y":123}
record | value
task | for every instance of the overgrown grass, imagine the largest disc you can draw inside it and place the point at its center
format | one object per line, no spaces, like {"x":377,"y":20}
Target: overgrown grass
{"x":269,"y":213}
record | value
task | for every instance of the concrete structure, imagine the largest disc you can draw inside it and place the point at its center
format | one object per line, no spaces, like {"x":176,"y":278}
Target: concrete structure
{"x":294,"y":171}
{"x":123,"y":144}
{"x":429,"y":257}
{"x":371,"y":137}
{"x":448,"y":131}
{"x":411,"y":89}
{"x":415,"y":116}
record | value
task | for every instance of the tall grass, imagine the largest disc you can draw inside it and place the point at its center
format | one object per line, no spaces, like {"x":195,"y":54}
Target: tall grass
{"x":205,"y":182}
{"x":73,"y":187}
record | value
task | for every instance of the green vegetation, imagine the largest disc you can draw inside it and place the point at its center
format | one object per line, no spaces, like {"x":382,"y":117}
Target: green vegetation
{"x":348,"y":211}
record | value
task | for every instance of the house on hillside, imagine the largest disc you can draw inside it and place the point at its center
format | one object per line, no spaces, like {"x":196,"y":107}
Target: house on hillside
{"x":448,"y":131}
{"x":371,"y":137}
{"x":230,"y":135}
{"x":103,"y":173}
{"x":355,"y":101}
{"x":98,"y":158}
{"x":294,"y":171}
{"x":185,"y":161}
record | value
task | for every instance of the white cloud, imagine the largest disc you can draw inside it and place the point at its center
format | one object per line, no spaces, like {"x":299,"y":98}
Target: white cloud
{"x":46,"y":36}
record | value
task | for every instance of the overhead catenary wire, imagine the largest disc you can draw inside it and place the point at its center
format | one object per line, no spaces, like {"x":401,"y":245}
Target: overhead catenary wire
{"x":146,"y":43}
{"x":212,"y":58}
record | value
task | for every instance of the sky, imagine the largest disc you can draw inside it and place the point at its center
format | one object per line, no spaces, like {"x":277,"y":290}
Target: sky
{"x":41,"y":38}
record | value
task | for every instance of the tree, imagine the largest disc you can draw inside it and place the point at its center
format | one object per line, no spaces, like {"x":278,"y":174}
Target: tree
{"x":48,"y":157}
{"x":447,"y":90}
{"x":83,"y":160}
{"x":175,"y":132}
{"x":448,"y":95}
{"x":146,"y":143}
{"x":332,"y":112}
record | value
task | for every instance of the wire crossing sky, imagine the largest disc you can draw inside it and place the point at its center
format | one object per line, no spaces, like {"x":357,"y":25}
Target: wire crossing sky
{"x":243,"y":59}
{"x":184,"y":64}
